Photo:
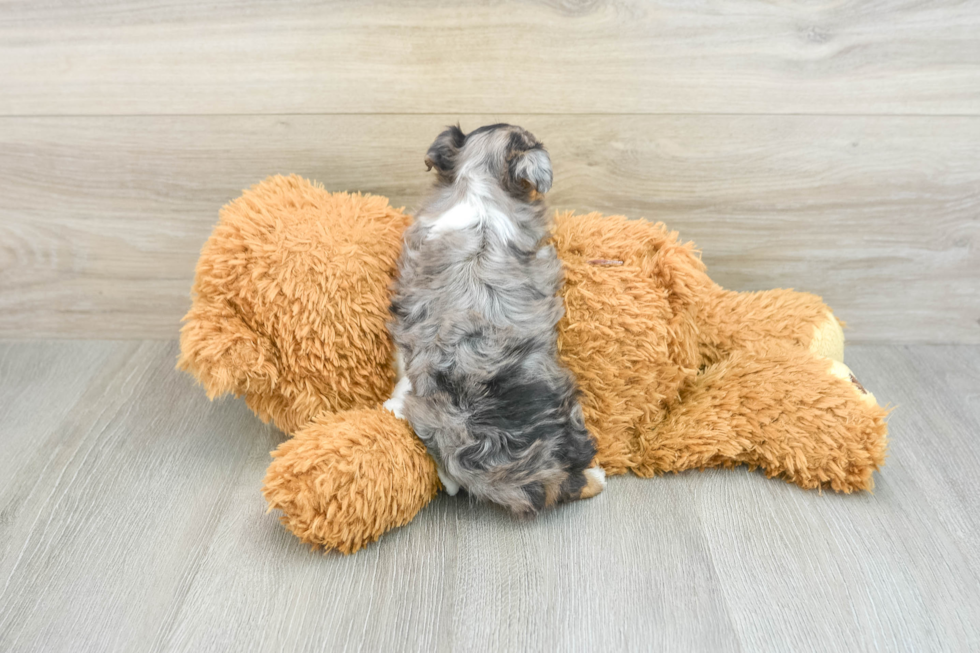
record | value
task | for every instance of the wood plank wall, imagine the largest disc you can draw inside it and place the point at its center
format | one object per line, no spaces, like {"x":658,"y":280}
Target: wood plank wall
{"x":828,"y":147}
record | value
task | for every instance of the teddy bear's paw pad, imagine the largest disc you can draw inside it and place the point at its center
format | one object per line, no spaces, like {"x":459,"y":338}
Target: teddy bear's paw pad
{"x":595,"y":482}
{"x":842,"y":371}
{"x":828,"y":339}
{"x":858,"y":384}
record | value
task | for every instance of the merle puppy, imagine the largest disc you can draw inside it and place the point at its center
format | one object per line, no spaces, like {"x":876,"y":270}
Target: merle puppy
{"x":474,"y":317}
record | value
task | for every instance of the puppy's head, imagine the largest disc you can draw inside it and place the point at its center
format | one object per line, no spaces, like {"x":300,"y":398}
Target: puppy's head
{"x":506,"y":154}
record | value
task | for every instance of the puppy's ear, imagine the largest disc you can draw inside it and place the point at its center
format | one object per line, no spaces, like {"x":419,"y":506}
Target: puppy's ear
{"x":442,"y":153}
{"x":532,"y":168}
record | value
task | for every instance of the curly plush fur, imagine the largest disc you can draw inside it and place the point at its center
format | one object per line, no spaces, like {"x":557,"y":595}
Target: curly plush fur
{"x":676,"y":373}
{"x":290,"y":308}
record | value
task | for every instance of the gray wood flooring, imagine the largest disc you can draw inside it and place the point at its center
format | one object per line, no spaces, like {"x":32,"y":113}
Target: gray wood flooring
{"x":131,"y":520}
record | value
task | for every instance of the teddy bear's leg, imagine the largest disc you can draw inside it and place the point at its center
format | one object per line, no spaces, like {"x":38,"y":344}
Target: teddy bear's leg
{"x":346,"y":478}
{"x":793,"y":414}
{"x":741,"y":320}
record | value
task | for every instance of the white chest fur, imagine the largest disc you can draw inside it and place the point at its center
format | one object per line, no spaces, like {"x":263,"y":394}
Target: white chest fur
{"x":475,"y":211}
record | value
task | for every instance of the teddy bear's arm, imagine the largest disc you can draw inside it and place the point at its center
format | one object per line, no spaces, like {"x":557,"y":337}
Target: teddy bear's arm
{"x":782,"y":409}
{"x":347,"y":478}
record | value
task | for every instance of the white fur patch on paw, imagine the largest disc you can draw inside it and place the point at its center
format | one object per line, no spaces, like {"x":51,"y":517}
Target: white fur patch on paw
{"x":448,"y":484}
{"x":397,"y":402}
{"x":396,"y":405}
{"x":597,"y":475}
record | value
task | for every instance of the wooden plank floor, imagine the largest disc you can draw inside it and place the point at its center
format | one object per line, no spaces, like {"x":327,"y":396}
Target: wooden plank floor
{"x":131,"y":519}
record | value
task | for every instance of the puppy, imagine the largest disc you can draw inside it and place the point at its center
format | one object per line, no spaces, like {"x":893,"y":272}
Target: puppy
{"x":474,"y":315}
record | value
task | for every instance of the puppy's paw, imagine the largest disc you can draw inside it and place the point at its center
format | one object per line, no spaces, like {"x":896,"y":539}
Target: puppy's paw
{"x":396,"y":405}
{"x":595,"y":482}
{"x":449,"y":484}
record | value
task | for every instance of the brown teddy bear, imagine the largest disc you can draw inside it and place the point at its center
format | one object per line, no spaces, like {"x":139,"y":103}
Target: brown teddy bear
{"x":289,"y":310}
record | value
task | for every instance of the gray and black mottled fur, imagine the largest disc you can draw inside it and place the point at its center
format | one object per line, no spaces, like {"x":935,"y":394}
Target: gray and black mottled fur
{"x":475,"y":310}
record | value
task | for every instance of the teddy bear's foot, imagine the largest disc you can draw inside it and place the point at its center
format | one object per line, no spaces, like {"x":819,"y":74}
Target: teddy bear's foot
{"x":844,"y":373}
{"x":346,"y":478}
{"x":785,"y":410}
{"x":828,"y":339}
{"x":733,"y":321}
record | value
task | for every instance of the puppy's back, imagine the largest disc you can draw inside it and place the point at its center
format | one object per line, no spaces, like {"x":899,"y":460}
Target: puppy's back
{"x":476,"y":312}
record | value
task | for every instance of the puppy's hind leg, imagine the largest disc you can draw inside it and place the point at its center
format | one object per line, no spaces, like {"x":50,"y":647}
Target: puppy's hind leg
{"x":582,"y":485}
{"x":396,"y":405}
{"x":449,"y":483}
